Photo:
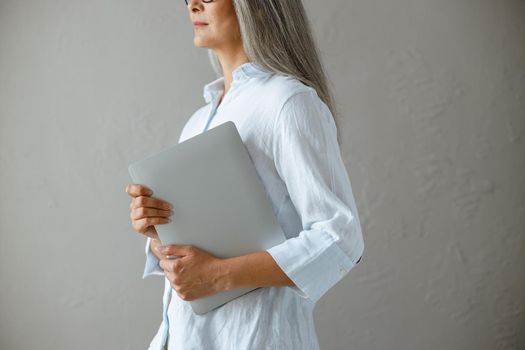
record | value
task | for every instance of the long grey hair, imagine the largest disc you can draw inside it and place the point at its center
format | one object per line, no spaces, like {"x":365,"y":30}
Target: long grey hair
{"x":276,"y":35}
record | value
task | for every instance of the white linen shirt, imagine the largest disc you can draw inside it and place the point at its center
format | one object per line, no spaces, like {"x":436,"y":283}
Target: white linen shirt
{"x":290,"y":135}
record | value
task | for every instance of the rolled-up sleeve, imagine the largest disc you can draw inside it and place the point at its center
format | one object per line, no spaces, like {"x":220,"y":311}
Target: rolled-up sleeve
{"x":152,"y":262}
{"x":308,"y":160}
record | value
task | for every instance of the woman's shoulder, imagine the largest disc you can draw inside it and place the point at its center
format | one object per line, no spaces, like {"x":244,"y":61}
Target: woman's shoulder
{"x":282,"y":92}
{"x":280,"y":87}
{"x":290,"y":96}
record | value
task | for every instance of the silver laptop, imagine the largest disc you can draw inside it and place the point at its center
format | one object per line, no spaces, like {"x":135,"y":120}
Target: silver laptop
{"x":219,"y":202}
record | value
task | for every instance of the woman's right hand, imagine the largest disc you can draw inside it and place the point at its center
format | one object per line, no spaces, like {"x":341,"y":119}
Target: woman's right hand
{"x":147,"y":211}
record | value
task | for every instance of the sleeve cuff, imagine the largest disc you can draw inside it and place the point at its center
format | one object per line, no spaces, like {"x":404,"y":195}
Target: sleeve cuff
{"x":152,"y":262}
{"x":314,"y":262}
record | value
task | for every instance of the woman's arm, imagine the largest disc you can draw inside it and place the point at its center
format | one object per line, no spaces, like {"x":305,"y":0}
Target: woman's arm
{"x":197,"y":273}
{"x":252,"y":270}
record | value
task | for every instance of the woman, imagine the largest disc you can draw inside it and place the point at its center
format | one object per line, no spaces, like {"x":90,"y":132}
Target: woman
{"x":274,"y":89}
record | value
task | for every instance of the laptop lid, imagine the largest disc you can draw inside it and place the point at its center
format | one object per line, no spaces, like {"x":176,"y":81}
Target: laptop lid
{"x":219,"y":201}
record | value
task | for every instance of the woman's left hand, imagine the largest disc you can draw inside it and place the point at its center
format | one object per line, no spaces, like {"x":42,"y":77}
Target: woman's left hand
{"x":194,"y":274}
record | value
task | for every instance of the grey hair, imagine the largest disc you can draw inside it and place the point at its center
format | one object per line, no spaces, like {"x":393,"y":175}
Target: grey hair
{"x":276,"y":35}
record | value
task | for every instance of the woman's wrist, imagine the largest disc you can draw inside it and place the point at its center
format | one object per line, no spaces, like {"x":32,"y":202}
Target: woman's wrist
{"x":253,"y":270}
{"x":221,"y":275}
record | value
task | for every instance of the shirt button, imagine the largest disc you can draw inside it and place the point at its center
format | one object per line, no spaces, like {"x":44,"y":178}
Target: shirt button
{"x":342,"y":271}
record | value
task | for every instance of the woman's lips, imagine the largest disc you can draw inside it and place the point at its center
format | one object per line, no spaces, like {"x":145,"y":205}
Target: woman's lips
{"x":198,"y":24}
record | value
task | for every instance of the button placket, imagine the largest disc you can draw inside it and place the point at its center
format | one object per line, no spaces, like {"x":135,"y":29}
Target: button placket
{"x":213,"y":111}
{"x":238,"y":76}
{"x":166,"y":303}
{"x":225,"y":99}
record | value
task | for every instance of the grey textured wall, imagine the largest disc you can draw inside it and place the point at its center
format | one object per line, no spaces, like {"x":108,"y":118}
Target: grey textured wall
{"x":433,"y":96}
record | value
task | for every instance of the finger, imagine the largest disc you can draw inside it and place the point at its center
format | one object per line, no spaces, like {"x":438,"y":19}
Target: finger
{"x":175,"y":249}
{"x":150,"y":202}
{"x":168,"y":265}
{"x":135,"y":190}
{"x":170,"y":276}
{"x":143,"y":212}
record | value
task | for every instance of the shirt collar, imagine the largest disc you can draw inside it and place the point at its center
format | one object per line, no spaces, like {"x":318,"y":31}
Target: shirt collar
{"x":240,"y":73}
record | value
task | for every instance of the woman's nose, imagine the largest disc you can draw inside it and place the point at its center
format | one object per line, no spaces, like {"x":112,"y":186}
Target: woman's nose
{"x":195,"y":4}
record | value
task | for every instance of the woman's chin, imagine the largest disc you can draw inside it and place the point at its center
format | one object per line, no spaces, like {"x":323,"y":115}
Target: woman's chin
{"x":198,"y":42}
